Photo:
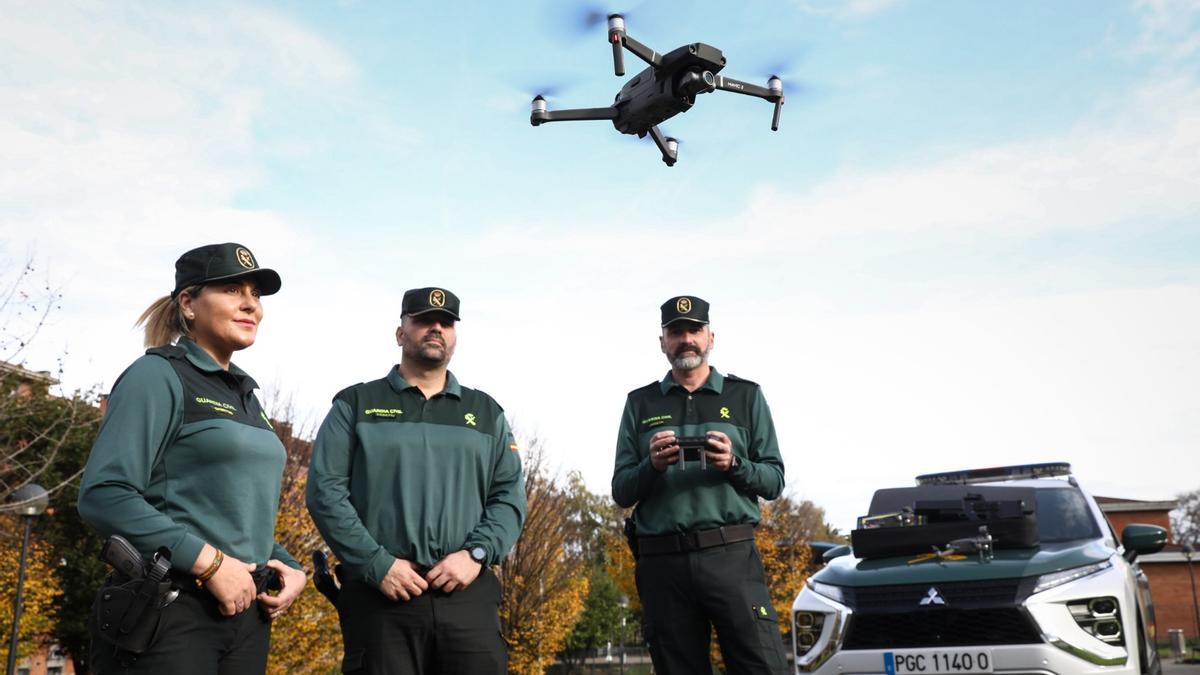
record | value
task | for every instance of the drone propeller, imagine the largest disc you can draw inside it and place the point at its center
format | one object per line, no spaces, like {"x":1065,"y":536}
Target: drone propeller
{"x":543,"y":92}
{"x":577,"y":20}
{"x":781,"y":65}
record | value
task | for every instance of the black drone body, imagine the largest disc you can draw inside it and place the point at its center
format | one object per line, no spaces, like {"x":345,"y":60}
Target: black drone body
{"x":667,"y":87}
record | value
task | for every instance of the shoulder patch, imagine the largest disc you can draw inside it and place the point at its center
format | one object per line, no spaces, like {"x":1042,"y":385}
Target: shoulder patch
{"x":653,"y":386}
{"x":735,"y":378}
{"x":346,"y":392}
{"x":486,"y":398}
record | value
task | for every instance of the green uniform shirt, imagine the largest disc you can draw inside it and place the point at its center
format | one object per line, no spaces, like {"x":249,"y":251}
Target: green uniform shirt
{"x":694,"y":499}
{"x":185,"y":455}
{"x":396,"y":475}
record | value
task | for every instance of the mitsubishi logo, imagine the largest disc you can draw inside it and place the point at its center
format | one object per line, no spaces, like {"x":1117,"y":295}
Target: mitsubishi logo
{"x":932,"y":597}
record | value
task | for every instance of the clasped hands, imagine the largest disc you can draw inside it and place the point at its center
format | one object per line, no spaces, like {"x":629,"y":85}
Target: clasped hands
{"x":404,"y":582}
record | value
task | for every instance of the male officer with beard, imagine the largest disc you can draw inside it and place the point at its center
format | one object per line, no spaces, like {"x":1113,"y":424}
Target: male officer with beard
{"x":416,"y":485}
{"x":697,"y":564}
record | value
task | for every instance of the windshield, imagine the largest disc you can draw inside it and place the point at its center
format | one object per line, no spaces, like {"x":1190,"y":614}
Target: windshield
{"x":1063,"y":515}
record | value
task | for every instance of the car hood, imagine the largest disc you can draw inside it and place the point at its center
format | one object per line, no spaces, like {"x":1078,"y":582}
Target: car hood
{"x":1007,"y":564}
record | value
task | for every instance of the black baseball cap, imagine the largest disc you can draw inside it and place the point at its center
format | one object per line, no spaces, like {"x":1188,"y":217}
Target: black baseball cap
{"x":222,"y":262}
{"x":684,"y":308}
{"x":432,"y":299}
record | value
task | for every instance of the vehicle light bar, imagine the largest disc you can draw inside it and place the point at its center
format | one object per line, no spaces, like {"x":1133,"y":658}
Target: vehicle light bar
{"x":996,"y":473}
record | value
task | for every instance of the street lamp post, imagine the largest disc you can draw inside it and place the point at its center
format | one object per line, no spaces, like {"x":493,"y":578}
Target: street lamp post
{"x":623,"y":602}
{"x":30,"y":502}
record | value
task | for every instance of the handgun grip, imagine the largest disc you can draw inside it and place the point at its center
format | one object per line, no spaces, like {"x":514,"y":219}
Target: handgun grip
{"x":123,"y":557}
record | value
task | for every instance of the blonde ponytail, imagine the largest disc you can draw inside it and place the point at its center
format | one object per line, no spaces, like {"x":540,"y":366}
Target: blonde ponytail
{"x":163,"y":319}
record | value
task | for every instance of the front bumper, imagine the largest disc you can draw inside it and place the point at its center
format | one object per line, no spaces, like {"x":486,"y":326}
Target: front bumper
{"x":1064,"y":647}
{"x":1036,"y":658}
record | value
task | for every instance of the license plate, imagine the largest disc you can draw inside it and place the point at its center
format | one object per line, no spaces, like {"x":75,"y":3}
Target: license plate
{"x":937,"y":662}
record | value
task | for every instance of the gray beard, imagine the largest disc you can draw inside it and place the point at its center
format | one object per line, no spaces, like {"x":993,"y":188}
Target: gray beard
{"x":687,"y":361}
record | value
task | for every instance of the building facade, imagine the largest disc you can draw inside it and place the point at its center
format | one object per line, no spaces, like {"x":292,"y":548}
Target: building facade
{"x":1170,"y":572}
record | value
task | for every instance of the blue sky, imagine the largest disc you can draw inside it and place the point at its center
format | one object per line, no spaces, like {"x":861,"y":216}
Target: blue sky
{"x":975,"y":239}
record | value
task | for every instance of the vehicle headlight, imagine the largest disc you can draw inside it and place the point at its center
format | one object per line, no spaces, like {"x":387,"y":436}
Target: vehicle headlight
{"x":828,"y":590}
{"x":1056,"y":579}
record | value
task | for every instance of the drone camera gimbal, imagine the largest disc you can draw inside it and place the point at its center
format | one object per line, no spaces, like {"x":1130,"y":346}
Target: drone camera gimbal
{"x":667,"y":87}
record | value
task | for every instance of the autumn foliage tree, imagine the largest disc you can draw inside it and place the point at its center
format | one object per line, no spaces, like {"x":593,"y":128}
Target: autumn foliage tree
{"x":307,"y":638}
{"x":44,"y":440}
{"x":40,"y":591}
{"x":545,"y":578}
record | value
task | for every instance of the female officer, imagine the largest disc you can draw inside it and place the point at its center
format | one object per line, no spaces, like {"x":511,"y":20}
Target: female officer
{"x":186,"y":460}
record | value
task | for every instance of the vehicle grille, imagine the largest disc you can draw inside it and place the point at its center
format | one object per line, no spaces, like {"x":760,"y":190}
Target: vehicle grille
{"x":957,"y":595}
{"x":942,"y":626}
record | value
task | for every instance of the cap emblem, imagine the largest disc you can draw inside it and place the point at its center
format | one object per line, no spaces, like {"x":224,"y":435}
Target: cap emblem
{"x":683,"y":305}
{"x":437,"y":297}
{"x":245,"y":259}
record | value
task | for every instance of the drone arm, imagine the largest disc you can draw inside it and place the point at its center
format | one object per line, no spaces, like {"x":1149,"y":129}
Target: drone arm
{"x":669,"y":147}
{"x":641,"y":51}
{"x":739,"y":87}
{"x":773,"y":95}
{"x":571,"y":115}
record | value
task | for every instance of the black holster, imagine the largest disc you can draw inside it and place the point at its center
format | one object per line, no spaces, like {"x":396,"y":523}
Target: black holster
{"x":127,"y":611}
{"x":631,"y":537}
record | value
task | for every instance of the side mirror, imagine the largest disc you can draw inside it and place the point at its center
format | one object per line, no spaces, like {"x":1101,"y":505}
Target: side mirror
{"x":835,"y":552}
{"x":1138,"y":538}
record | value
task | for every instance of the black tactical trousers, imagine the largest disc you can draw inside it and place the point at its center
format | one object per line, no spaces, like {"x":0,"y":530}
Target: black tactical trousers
{"x":435,"y":632}
{"x":193,"y":639}
{"x":683,"y":594}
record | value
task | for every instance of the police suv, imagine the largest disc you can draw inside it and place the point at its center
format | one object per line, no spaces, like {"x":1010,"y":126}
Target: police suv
{"x":1002,"y":570}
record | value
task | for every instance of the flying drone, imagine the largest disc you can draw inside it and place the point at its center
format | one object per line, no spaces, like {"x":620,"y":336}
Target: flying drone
{"x":668,"y":87}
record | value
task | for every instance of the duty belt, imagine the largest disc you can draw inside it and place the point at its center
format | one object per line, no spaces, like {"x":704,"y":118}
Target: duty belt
{"x":694,"y":540}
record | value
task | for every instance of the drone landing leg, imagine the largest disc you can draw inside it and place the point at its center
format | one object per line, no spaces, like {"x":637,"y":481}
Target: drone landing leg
{"x":668,"y":146}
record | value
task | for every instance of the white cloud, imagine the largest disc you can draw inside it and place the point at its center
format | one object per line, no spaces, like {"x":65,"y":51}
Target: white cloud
{"x":1133,"y":163}
{"x":127,"y":135}
{"x":846,"y":9}
{"x":1169,"y":28}
{"x":1098,"y":378}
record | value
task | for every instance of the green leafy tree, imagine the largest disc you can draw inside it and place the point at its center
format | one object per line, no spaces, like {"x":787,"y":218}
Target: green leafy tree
{"x":604,"y":617}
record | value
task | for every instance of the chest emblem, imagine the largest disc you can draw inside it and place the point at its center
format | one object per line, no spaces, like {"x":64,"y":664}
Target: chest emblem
{"x":656,"y":421}
{"x":469,"y":418}
{"x":724,"y":413}
{"x":216,"y":406}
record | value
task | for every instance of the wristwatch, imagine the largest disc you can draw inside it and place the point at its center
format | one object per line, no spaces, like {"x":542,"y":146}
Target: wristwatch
{"x":478,"y":554}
